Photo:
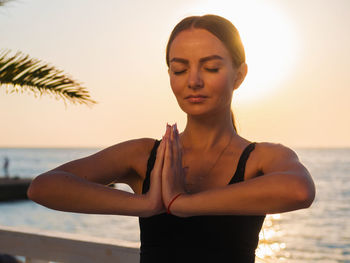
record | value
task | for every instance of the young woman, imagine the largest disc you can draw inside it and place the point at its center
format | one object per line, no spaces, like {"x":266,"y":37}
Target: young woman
{"x":201,"y":195}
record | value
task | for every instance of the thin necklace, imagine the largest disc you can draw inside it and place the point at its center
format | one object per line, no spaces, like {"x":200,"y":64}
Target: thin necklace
{"x":217,"y":159}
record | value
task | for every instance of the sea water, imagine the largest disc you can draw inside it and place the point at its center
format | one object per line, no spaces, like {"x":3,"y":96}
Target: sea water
{"x":320,"y":233}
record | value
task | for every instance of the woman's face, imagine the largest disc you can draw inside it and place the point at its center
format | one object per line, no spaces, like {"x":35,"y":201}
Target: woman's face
{"x":201,"y":72}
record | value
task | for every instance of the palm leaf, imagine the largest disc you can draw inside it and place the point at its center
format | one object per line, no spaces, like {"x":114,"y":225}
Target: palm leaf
{"x":22,"y":73}
{"x":2,"y":2}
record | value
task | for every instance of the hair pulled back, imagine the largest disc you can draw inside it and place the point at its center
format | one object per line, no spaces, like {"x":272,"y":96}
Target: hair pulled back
{"x":220,"y":27}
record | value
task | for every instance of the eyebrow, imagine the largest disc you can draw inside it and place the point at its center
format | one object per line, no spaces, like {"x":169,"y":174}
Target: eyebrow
{"x":202,"y":60}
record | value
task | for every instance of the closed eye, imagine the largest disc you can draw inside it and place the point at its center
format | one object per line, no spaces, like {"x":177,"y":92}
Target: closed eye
{"x":213,"y":70}
{"x":179,"y":72}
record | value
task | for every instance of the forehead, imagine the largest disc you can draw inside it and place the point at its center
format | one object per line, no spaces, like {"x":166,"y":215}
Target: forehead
{"x":197,"y":43}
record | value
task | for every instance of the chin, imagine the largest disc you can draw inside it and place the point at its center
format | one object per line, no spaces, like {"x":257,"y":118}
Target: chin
{"x":196,"y":111}
{"x":204,"y":110}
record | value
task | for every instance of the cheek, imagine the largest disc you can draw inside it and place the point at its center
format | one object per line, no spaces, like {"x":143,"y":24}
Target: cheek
{"x":177,"y":88}
{"x":176,"y":85}
{"x":221,"y":84}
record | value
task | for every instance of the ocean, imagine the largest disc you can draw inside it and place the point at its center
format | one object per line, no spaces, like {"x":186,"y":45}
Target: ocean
{"x":319,"y":234}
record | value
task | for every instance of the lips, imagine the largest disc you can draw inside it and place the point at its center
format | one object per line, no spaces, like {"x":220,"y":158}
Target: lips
{"x":196,"y":98}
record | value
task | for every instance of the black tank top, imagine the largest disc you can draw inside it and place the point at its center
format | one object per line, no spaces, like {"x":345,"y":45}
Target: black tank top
{"x":172,"y":239}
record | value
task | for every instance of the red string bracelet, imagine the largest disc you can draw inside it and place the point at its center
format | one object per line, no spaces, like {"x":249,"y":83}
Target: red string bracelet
{"x":171,"y":202}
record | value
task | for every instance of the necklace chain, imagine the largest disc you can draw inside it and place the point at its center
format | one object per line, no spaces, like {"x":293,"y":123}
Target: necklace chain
{"x":218,"y":158}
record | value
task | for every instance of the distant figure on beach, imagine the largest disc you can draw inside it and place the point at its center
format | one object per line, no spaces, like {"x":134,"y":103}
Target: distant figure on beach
{"x":202,"y":194}
{"x":6,"y":166}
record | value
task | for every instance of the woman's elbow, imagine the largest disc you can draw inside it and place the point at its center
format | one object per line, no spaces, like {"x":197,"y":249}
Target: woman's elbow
{"x":305,"y":193}
{"x":36,"y":190}
{"x":33,"y":190}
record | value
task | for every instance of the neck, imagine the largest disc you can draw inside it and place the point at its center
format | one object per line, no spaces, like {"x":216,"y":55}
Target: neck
{"x":207,"y":132}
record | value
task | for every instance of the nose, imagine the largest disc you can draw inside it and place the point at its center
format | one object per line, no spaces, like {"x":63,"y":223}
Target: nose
{"x":195,"y":80}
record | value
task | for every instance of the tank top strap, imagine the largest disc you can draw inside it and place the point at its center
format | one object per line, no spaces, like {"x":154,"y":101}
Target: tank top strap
{"x":237,"y":177}
{"x":150,"y":164}
{"x":239,"y":174}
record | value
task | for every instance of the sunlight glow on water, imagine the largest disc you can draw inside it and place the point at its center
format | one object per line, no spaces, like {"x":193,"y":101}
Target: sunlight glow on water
{"x":319,"y":234}
{"x":269,"y":246}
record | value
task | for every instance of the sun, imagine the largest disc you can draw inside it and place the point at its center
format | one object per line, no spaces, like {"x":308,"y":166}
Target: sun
{"x":269,"y":39}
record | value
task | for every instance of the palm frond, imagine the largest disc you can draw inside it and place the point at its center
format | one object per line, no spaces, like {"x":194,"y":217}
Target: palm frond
{"x":19,"y":72}
{"x":3,"y":2}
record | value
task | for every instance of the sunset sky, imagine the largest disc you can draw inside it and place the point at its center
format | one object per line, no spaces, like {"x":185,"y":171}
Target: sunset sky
{"x":297,"y":91}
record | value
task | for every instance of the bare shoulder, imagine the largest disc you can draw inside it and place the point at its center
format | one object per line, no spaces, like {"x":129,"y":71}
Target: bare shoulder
{"x":274,"y":157}
{"x":136,"y":150}
{"x":134,"y":146}
{"x":132,"y":153}
{"x":277,"y":159}
{"x":269,"y":149}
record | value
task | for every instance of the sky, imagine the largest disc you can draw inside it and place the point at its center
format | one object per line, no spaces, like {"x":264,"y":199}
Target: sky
{"x":297,"y":90}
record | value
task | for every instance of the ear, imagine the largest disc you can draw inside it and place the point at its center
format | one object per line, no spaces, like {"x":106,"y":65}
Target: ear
{"x":240,"y":75}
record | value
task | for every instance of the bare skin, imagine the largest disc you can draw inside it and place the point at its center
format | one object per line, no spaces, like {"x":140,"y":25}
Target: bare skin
{"x":203,"y":79}
{"x":80,"y":185}
{"x":285,"y":185}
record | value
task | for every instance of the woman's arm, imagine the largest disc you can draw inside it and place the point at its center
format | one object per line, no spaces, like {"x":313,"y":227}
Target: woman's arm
{"x":286,"y":185}
{"x":81,"y":185}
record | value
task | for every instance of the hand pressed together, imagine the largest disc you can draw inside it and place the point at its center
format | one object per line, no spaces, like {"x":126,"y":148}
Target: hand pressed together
{"x":168,"y":176}
{"x":173,"y":174}
{"x":155,"y":189}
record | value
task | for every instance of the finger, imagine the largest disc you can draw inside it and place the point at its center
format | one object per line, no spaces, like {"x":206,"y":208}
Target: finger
{"x":168,"y":143}
{"x":179,"y":147}
{"x":166,"y":130}
{"x":172,"y":133}
{"x":161,"y":148}
{"x":168,"y":157}
{"x":175,"y":144}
